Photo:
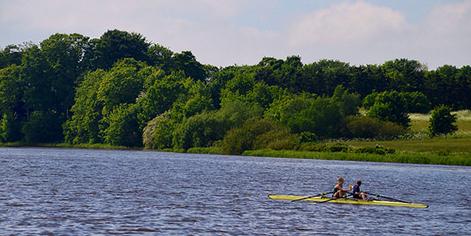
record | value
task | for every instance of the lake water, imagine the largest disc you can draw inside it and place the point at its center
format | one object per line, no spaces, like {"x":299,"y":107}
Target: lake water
{"x":83,"y":192}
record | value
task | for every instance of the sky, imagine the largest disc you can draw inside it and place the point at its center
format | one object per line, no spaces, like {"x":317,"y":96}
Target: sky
{"x":228,"y":32}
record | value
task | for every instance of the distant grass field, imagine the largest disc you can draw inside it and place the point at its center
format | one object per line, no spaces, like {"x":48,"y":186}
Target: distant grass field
{"x":417,"y":158}
{"x":459,"y":142}
{"x":437,"y":144}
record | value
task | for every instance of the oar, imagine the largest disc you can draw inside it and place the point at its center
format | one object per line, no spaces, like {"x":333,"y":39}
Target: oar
{"x":390,"y":198}
{"x":317,"y":195}
{"x":348,"y":194}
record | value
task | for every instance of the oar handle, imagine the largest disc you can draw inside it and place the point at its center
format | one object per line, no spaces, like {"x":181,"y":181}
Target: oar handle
{"x":320,"y":194}
{"x":390,"y":198}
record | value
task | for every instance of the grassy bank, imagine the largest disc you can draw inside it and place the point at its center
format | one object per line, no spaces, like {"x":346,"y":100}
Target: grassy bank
{"x":416,"y":158}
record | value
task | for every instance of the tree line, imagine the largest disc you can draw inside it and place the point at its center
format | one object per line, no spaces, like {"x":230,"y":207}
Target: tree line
{"x":120,"y":89}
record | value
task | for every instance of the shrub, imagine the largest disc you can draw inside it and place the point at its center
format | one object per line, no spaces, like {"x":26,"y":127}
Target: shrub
{"x":158,"y":133}
{"x":338,"y":147}
{"x":258,"y":133}
{"x":390,"y":130}
{"x":200,"y":130}
{"x":326,"y":147}
{"x":308,"y":137}
{"x":369,"y":127}
{"x":376,"y":150}
{"x":279,"y":139}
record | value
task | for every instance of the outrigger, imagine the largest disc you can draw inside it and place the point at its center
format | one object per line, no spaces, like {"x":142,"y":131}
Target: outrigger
{"x":321,"y":198}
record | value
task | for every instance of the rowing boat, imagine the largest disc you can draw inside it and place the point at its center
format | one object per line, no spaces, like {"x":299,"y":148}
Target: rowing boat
{"x":320,"y":199}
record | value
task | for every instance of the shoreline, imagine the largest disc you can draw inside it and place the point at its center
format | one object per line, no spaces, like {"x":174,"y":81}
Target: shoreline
{"x":458,"y":159}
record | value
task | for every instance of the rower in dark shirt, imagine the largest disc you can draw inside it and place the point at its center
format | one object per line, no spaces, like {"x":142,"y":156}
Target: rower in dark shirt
{"x":357,"y":193}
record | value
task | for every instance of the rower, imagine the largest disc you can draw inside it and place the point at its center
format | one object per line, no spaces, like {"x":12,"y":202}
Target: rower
{"x":339,"y":191}
{"x":357,"y":193}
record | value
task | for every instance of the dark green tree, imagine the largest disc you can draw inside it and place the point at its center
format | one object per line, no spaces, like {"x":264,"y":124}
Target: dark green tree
{"x":186,"y":62}
{"x":115,"y":45}
{"x":324,"y":76}
{"x":12,"y":111}
{"x":442,"y":122}
{"x":10,"y":55}
{"x":390,"y":106}
{"x":404,"y":75}
{"x":83,"y":126}
{"x":123,"y":127}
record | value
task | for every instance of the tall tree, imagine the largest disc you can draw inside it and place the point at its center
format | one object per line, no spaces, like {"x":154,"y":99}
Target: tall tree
{"x":186,"y":62}
{"x":10,"y":55}
{"x":12,"y":111}
{"x":404,"y":75}
{"x":115,"y":44}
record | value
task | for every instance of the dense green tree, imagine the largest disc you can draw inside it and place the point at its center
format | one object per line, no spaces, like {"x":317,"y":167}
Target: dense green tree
{"x":65,"y":58}
{"x":450,"y":86}
{"x":114,"y":45}
{"x":10,"y":55}
{"x":201,"y":130}
{"x":321,"y":116}
{"x":161,"y":57}
{"x":442,"y":121}
{"x":367,"y":79}
{"x":324,"y":76}
{"x":37,"y":76}
{"x":11,"y":105}
{"x":414,"y":102}
{"x":280,"y":73}
{"x":390,"y":106}
{"x":404,"y":75}
{"x":83,"y":126}
{"x":348,"y":102}
{"x":122,"y":127}
{"x":122,"y":84}
{"x":186,"y":62}
{"x":161,"y":92}
{"x":42,"y":127}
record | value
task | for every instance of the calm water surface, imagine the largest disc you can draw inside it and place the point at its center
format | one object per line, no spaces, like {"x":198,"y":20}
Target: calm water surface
{"x":84,"y":192}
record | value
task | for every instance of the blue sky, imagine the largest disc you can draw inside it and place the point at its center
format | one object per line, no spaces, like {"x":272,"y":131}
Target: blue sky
{"x":226,"y":32}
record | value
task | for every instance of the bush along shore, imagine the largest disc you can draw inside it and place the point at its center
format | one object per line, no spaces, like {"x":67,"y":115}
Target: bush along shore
{"x":122,"y":91}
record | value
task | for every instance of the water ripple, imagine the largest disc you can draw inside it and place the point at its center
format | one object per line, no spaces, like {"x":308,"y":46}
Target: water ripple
{"x":82,"y":192}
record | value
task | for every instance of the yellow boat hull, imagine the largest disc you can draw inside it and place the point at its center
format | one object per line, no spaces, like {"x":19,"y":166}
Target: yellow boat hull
{"x":347,"y":201}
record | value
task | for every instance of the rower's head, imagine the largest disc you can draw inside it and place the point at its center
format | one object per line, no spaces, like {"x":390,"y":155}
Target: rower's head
{"x":359,"y":182}
{"x":340,"y":180}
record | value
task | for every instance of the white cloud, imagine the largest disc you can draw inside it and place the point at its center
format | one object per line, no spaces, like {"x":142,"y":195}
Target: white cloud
{"x":363,"y":33}
{"x":354,"y":31}
{"x":345,"y":23}
{"x":443,"y":36}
